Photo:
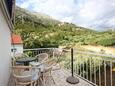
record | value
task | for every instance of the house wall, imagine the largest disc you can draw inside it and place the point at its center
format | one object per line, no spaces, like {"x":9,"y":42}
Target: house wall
{"x":5,"y":48}
{"x":18,"y":47}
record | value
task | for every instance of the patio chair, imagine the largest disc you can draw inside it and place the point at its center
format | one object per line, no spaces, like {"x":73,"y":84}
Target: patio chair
{"x":47,"y":73}
{"x":57,"y":54}
{"x":18,"y":56}
{"x":25,"y":75}
{"x":42,"y":57}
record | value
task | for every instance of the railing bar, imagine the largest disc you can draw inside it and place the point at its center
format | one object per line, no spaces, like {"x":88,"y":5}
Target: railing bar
{"x":86,"y":80}
{"x":82,"y":52}
{"x":80,"y":68}
{"x":39,"y":51}
{"x":42,"y":51}
{"x":87,"y":70}
{"x":75,"y":61}
{"x":53,"y":53}
{"x":36,"y":53}
{"x":111,"y":73}
{"x":76,"y":69}
{"x":70,"y":60}
{"x":105,"y":72}
{"x":77,"y":65}
{"x":106,"y":55}
{"x":90,"y":71}
{"x":83,"y":67}
{"x":97,"y":54}
{"x":74,"y":66}
{"x":32,"y":52}
{"x":99,"y":74}
{"x":94,"y":73}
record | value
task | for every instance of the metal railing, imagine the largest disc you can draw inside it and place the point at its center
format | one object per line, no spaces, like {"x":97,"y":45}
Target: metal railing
{"x":97,"y":69}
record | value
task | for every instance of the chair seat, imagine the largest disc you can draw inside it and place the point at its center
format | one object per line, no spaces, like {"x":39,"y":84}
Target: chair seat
{"x":18,"y":63}
{"x":39,"y":65}
{"x":24,"y":77}
{"x":26,"y":73}
{"x":42,"y":67}
{"x":27,"y":76}
{"x":35,"y":63}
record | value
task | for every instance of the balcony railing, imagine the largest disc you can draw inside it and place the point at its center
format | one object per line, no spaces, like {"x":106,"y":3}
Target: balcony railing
{"x":97,"y":69}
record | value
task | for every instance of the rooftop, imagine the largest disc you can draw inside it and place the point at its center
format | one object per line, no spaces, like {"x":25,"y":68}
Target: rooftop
{"x":16,"y":39}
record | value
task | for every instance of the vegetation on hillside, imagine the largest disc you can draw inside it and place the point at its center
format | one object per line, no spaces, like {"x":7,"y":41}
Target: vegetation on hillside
{"x":40,"y":30}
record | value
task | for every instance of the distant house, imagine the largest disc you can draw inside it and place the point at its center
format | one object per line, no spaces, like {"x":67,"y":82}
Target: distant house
{"x":6,"y":26}
{"x":17,"y":44}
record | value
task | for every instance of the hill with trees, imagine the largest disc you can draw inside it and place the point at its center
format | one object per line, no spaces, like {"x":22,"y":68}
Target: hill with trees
{"x":40,"y":30}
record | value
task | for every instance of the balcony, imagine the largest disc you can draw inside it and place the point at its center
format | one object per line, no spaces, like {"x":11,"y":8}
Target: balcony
{"x":90,"y":68}
{"x":60,"y":79}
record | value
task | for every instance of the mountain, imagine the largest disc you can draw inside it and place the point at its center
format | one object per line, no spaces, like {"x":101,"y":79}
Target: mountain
{"x":41,"y":30}
{"x":34,"y":16}
{"x":40,"y":18}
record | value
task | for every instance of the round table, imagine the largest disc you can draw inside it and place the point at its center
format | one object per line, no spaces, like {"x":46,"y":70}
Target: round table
{"x":26,"y":60}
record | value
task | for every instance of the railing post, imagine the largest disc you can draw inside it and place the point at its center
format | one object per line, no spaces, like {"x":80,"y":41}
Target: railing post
{"x":72,"y":79}
{"x":72,"y":61}
{"x":53,"y":52}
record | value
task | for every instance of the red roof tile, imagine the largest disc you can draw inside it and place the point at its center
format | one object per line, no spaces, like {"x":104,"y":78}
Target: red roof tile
{"x":16,"y":39}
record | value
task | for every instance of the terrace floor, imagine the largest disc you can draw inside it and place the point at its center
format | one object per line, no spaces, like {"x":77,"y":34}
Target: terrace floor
{"x":59,"y":77}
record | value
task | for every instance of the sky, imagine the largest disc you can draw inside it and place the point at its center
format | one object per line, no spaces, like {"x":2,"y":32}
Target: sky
{"x":95,"y":14}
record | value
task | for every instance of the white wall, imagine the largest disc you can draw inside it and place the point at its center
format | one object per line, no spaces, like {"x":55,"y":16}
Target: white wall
{"x":5,"y":48}
{"x":18,"y":47}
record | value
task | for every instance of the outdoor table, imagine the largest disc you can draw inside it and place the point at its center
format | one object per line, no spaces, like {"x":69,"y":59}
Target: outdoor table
{"x":26,"y":60}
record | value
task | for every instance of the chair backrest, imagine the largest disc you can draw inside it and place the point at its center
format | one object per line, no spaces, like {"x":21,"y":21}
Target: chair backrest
{"x":47,"y":71}
{"x":20,"y":76}
{"x":50,"y":62}
{"x":25,"y":74}
{"x":57,"y":52}
{"x":42,"y":57}
{"x":20,"y":55}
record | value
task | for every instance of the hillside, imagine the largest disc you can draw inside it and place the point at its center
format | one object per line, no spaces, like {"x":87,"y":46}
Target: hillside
{"x":41,"y":30}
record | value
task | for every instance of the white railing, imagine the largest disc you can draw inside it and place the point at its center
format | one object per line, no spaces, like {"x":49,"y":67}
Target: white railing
{"x":97,"y":69}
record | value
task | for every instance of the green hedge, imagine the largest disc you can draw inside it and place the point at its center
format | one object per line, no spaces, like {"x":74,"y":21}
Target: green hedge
{"x":107,"y":42}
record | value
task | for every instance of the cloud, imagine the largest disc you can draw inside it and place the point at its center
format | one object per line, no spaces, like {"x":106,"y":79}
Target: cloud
{"x":96,"y":14}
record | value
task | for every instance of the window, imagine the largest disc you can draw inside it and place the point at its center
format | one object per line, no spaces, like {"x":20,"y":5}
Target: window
{"x":13,"y":50}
